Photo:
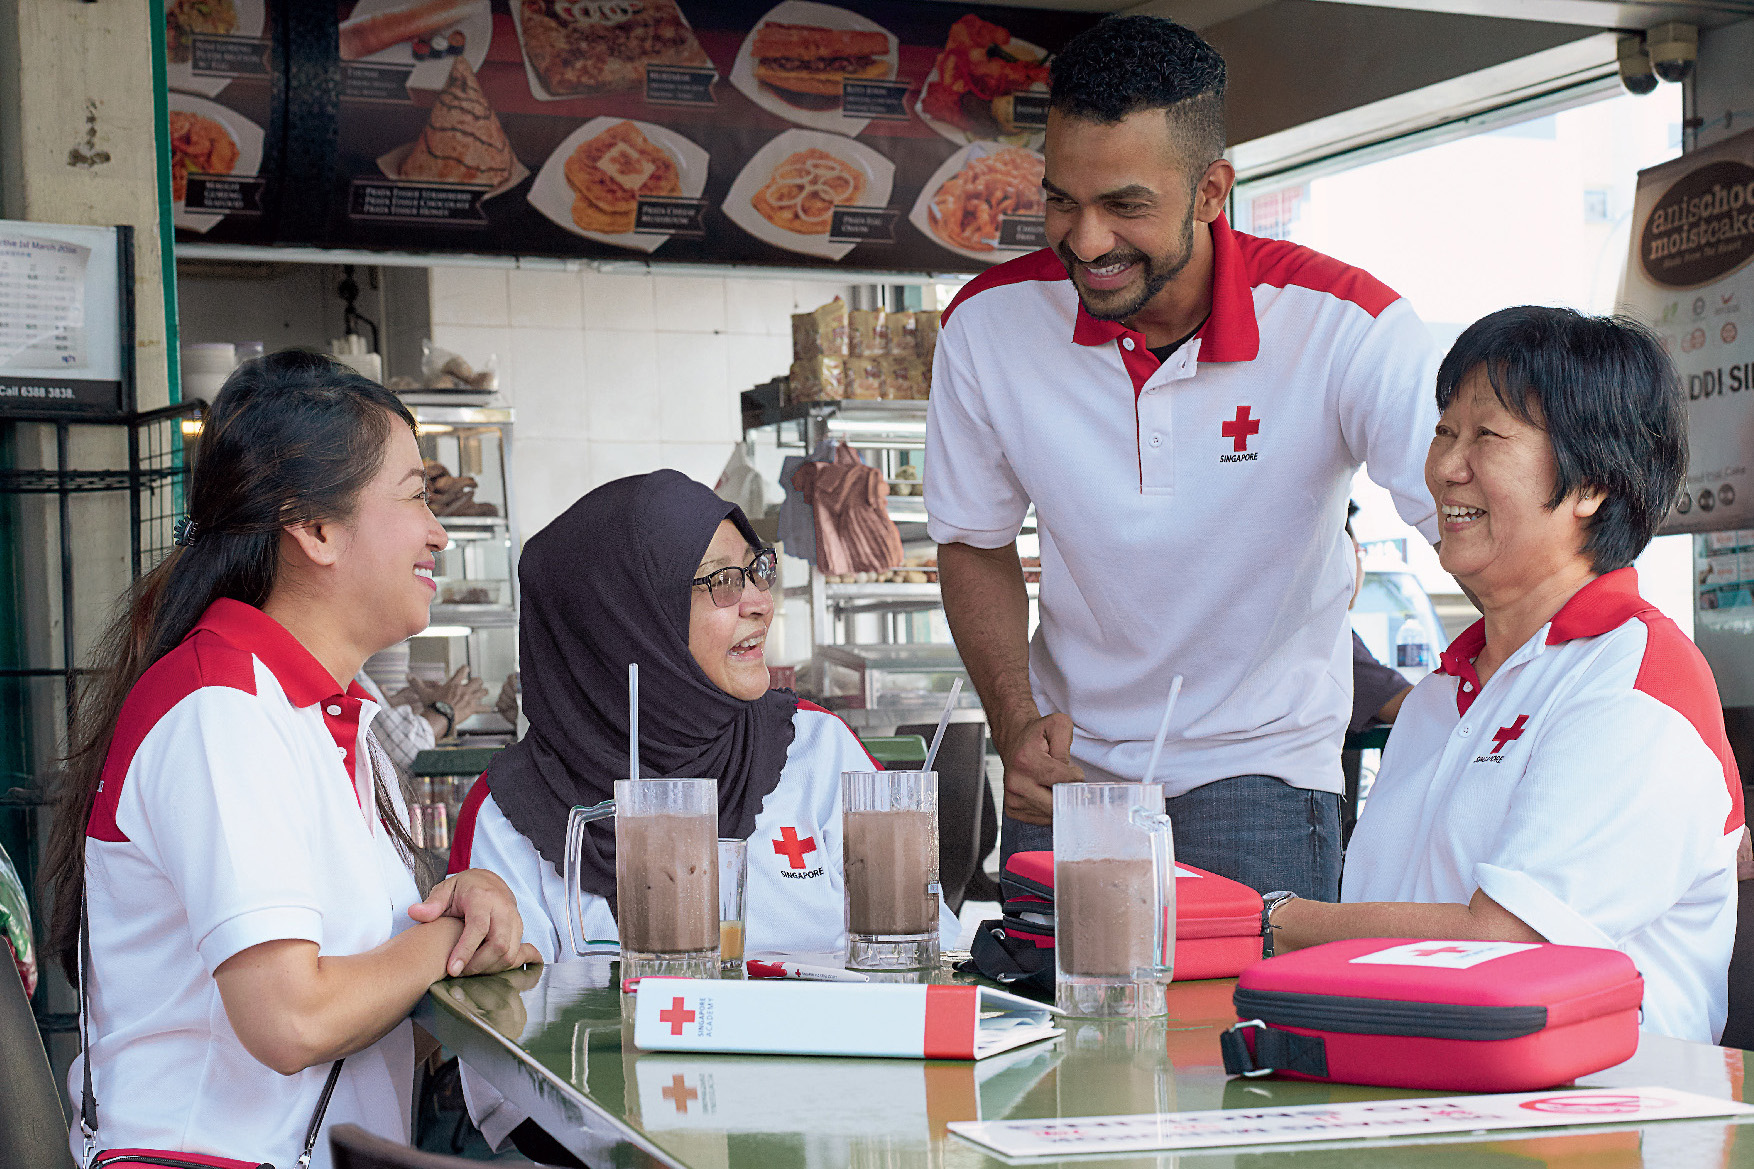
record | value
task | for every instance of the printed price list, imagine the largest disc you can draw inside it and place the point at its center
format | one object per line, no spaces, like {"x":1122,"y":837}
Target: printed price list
{"x":42,"y":303}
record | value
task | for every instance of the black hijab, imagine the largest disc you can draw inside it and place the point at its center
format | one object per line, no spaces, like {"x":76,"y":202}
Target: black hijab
{"x":606,"y":584}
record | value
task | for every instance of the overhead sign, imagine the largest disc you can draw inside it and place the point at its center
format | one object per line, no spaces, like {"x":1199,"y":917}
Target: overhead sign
{"x":1689,"y":278}
{"x":66,"y":325}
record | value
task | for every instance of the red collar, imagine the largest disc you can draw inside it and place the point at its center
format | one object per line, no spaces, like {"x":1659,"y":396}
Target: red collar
{"x":1229,"y":334}
{"x":1603,"y":605}
{"x":301,"y":676}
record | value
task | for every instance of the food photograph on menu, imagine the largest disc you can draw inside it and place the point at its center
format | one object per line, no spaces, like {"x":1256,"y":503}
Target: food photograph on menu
{"x":881,"y":135}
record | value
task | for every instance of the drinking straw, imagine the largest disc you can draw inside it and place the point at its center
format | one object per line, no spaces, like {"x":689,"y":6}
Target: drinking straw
{"x":943,"y":721}
{"x":633,"y":720}
{"x":1175,"y":690}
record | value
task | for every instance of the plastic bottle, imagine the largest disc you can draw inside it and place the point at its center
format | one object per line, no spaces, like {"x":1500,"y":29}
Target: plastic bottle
{"x":1411,"y":649}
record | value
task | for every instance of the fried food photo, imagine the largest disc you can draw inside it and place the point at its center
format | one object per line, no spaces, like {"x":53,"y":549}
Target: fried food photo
{"x":199,"y":145}
{"x":805,"y":189}
{"x":967,"y":209}
{"x":979,"y":68}
{"x":799,"y":58}
{"x":184,"y":18}
{"x":612,"y":171}
{"x":600,"y":46}
{"x":463,"y":141}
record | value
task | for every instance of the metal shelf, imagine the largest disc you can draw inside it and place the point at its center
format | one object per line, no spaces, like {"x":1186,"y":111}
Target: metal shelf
{"x":474,"y":521}
{"x":474,"y":616}
{"x":32,"y":482}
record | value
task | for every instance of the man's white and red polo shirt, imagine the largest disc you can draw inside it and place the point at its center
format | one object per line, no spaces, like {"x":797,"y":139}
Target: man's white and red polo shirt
{"x":1190,"y":512}
{"x":234,"y":810}
{"x":1588,"y":788}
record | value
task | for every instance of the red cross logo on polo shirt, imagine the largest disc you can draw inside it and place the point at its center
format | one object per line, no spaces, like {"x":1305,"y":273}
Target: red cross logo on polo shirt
{"x":676,"y":1015}
{"x":1432,"y":953}
{"x":793,"y":849}
{"x":1241,"y":428}
{"x":679,"y":1092}
{"x":1508,"y":734}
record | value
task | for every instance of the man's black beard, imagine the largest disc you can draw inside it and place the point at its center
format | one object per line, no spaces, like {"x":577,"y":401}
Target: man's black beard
{"x":1159,"y":271}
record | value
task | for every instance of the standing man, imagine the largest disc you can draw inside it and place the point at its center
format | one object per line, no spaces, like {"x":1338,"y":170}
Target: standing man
{"x":1185,"y":406}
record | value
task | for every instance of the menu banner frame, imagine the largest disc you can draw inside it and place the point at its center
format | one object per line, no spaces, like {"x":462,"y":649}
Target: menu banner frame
{"x":75,"y":284}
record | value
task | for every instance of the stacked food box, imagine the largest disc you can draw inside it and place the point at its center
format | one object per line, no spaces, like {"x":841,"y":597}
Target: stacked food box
{"x":865,"y":354}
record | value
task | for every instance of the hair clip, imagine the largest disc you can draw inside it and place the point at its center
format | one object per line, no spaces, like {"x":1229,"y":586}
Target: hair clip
{"x":184,"y":533}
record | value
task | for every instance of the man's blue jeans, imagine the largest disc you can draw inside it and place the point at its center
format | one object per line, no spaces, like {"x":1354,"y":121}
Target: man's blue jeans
{"x":1251,"y":828}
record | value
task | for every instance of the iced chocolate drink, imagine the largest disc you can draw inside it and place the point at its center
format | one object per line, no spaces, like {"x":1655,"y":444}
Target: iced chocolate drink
{"x":666,"y":883}
{"x":891,"y":864}
{"x":1103,"y":915}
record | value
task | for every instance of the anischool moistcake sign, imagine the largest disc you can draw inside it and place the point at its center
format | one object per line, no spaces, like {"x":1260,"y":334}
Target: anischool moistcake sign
{"x":1688,"y":277}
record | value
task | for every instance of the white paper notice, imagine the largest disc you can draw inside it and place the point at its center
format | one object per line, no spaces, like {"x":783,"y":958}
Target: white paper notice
{"x":1365,"y":1120}
{"x":42,"y":303}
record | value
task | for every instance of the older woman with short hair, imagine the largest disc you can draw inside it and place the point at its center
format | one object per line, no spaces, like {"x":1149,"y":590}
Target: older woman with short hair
{"x":1564,"y":775}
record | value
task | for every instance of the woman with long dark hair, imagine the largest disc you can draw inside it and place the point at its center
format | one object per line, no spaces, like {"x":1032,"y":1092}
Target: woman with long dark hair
{"x":228,"y":825}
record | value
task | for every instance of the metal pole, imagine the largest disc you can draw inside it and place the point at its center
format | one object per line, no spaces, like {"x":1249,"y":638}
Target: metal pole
{"x":63,"y":498}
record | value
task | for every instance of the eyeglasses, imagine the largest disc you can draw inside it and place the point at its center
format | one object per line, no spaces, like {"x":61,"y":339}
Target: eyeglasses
{"x":727,"y":584}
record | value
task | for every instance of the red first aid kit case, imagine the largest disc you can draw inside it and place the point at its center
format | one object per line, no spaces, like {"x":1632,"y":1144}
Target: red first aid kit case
{"x":1217,"y":920}
{"x":1438,"y":1015}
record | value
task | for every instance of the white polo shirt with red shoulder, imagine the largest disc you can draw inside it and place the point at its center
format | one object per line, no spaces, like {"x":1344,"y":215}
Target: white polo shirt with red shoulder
{"x":795,"y":898}
{"x":236,"y":808}
{"x":1587,"y":787}
{"x":1190,"y":512}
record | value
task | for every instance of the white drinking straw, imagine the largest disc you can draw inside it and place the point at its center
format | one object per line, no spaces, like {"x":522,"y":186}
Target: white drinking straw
{"x":634,"y":720}
{"x":1175,"y":691}
{"x":943,"y":721}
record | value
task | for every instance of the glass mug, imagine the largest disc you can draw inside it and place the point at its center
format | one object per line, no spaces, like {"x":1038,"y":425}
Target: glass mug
{"x":666,"y":876}
{"x":1114,"y":899}
{"x":889,"y":845}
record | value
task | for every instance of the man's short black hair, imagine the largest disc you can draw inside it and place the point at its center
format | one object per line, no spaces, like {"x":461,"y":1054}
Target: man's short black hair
{"x":1607,"y":396}
{"x":1124,"y":64}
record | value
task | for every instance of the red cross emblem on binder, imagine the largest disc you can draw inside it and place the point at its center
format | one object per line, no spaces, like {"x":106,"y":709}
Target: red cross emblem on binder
{"x":1508,"y":734}
{"x":1435,"y":951}
{"x":1241,"y":428}
{"x":679,"y":1093}
{"x":793,"y":849}
{"x":676,"y":1015}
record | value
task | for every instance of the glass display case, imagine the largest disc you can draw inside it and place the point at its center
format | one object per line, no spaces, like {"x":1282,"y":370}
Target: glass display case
{"x":467,"y":450}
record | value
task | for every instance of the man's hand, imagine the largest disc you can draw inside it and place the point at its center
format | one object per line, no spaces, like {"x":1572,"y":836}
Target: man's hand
{"x":506,"y":705}
{"x":1037,"y":755}
{"x":493,"y":930}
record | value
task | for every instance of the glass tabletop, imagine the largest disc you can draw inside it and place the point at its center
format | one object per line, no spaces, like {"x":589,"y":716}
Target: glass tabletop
{"x":554,"y":1041}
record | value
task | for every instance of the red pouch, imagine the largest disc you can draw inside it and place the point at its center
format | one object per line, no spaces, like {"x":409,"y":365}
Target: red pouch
{"x":1438,"y":1015}
{"x":160,"y":1159}
{"x":1217,"y":920}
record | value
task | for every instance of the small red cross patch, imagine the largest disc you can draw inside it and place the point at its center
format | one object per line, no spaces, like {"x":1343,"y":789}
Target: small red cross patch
{"x":793,"y":849}
{"x":1432,"y":953}
{"x":1508,"y":734}
{"x":680,"y":1093}
{"x":676,"y":1015}
{"x":1241,"y":428}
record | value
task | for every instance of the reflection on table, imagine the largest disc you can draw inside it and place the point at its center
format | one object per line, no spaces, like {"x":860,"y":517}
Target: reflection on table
{"x":556,"y":1042}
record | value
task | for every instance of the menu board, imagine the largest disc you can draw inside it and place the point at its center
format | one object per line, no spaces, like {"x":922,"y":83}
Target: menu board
{"x":886,"y":135}
{"x":66,"y":332}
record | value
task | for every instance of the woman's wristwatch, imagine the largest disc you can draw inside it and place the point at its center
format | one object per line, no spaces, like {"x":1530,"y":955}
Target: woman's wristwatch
{"x":450,"y":713}
{"x":1270,"y":902}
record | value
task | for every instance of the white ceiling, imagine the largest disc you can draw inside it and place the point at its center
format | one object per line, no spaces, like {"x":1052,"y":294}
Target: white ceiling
{"x":1588,"y":13}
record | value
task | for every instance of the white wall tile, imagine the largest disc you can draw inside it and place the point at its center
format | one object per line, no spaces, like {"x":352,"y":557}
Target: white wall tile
{"x":689,"y":304}
{"x":469,"y":296}
{"x":750,"y":361}
{"x":547,"y":300}
{"x":697,"y":402}
{"x":758,"y":306}
{"x":616,"y":460}
{"x":811,"y":294}
{"x":701,"y":461}
{"x":551,"y":474}
{"x":547,"y":373}
{"x":617,"y":301}
{"x":621,"y":385}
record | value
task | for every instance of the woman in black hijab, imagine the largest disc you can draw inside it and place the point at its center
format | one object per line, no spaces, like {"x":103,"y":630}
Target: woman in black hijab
{"x":656,"y":569}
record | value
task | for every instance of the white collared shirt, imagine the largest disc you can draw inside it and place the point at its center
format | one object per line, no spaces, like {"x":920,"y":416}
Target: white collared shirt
{"x":1588,"y":788}
{"x":234,"y":810}
{"x":1191,"y":513}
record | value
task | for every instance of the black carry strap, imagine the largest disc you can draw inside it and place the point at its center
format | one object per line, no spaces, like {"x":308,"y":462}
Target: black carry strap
{"x":88,"y":1098}
{"x":1274,"y":1051}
